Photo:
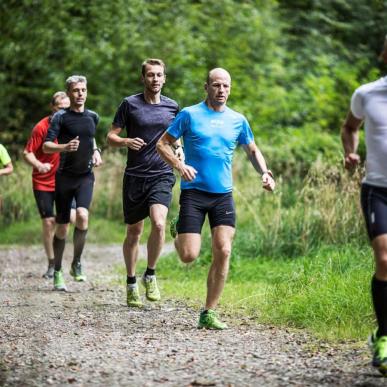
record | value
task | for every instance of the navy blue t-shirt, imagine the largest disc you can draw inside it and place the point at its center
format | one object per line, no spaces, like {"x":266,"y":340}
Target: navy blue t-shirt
{"x":149,"y":122}
{"x":65,"y":126}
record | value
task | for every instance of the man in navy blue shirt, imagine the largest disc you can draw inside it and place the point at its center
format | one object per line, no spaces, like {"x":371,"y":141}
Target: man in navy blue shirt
{"x":71,"y":133}
{"x":148,"y":180}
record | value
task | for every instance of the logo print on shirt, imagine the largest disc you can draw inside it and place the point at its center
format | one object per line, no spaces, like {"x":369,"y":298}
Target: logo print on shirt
{"x":216,"y":123}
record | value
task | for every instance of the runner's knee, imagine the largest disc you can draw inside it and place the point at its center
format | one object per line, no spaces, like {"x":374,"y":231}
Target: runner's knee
{"x":61,"y":231}
{"x":82,"y":218}
{"x":48,"y":223}
{"x":381,"y":260}
{"x":158,"y":225}
{"x":188,"y":255}
{"x":222,"y":251}
{"x":133,"y":233}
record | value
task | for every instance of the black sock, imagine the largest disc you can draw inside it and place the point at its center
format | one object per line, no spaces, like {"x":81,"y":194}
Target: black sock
{"x":379,"y":298}
{"x":149,"y":271}
{"x":79,"y":239}
{"x":130,"y":280}
{"x":205,"y":311}
{"x":59,"y":245}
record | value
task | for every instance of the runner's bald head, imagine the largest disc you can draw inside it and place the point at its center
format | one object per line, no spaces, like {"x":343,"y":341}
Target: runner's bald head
{"x":218,"y":72}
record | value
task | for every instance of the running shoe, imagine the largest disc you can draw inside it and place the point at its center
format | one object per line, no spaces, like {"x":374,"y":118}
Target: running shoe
{"x":59,"y":283}
{"x":152,"y":292}
{"x":379,"y":350}
{"x":173,"y":226}
{"x":49,"y":273}
{"x":209,"y":320}
{"x":76,"y":272}
{"x":133,"y":296}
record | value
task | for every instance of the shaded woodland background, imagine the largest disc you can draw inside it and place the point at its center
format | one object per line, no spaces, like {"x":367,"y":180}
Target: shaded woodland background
{"x":294,"y":63}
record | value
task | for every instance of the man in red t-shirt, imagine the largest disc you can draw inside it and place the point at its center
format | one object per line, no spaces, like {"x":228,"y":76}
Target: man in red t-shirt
{"x":43,"y":176}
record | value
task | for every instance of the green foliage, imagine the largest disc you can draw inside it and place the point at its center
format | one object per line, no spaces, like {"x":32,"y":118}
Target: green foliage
{"x":107,"y":42}
{"x":294,"y":64}
{"x":301,"y":215}
{"x":29,"y":232}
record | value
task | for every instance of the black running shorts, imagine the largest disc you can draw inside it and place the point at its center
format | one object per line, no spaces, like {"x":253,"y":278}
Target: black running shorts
{"x":195,"y":204}
{"x":68,"y":188}
{"x":45,"y":203}
{"x":374,"y":205}
{"x":139,"y":193}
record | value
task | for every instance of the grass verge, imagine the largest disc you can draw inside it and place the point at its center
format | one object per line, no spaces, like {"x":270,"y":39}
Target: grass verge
{"x":326,"y":292}
{"x":29,"y":233}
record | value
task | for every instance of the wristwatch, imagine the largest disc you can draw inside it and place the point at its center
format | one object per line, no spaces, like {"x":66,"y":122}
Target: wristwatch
{"x":268,"y":172}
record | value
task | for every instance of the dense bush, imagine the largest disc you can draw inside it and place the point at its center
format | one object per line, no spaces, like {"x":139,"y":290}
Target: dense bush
{"x":294,"y":64}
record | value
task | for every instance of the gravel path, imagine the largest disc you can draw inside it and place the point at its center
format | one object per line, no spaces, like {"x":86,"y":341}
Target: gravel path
{"x":88,"y":336}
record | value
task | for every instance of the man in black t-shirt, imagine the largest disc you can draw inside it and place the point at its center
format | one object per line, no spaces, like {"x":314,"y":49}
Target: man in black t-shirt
{"x":71,"y":133}
{"x":148,"y":180}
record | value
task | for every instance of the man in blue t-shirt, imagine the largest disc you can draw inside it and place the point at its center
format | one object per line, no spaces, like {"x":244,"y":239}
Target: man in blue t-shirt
{"x":148,"y":180}
{"x":210,"y":131}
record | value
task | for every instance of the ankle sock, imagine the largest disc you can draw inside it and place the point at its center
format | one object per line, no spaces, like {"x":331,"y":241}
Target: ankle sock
{"x":149,"y":271}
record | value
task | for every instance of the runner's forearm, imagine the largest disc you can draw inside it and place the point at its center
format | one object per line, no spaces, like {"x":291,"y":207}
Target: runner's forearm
{"x":30,"y":159}
{"x":349,"y":139}
{"x":7,"y":170}
{"x":51,"y":147}
{"x":164,"y":149}
{"x":257,"y":160}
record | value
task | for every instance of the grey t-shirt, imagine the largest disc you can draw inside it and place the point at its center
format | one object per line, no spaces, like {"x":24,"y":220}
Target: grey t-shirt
{"x":369,"y":102}
{"x":149,"y":122}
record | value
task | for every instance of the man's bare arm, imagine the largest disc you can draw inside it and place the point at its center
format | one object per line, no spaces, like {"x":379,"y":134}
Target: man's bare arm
{"x":164,"y":148}
{"x":31,"y":159}
{"x":114,"y":139}
{"x":258,"y":161}
{"x":7,"y":170}
{"x":350,"y":140}
{"x":51,"y":147}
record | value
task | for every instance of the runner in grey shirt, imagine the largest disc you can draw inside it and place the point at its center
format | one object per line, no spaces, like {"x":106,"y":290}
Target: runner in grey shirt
{"x":369,"y":104}
{"x":148,"y":180}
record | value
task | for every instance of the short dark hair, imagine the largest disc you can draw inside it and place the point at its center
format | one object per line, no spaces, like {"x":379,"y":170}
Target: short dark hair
{"x":153,"y":61}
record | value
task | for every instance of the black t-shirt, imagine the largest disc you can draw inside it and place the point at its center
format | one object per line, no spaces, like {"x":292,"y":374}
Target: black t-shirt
{"x":149,"y":122}
{"x":65,"y":126}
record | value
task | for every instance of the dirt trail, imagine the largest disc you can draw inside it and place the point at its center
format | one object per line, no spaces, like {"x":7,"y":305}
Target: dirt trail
{"x":88,"y":336}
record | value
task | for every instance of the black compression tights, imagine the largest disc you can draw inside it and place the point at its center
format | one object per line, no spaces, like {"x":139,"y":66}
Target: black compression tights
{"x":379,"y":298}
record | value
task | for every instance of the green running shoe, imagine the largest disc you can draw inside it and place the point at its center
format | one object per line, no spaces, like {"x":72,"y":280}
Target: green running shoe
{"x":210,"y":320}
{"x":379,"y":349}
{"x":152,"y":292}
{"x":76,"y":272}
{"x":133,"y":296}
{"x":59,"y":283}
{"x":173,"y":226}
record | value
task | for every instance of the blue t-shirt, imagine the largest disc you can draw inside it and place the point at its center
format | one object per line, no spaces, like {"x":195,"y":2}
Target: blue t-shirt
{"x":210,"y":139}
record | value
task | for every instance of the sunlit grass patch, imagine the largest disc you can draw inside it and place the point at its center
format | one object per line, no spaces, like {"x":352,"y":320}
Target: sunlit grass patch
{"x":326,"y":292}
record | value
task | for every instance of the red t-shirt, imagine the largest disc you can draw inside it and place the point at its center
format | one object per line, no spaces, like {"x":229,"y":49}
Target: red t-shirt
{"x":42,"y":181}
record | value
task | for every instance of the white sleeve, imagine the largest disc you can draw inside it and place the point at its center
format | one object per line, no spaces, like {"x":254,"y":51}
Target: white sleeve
{"x":357,"y":105}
